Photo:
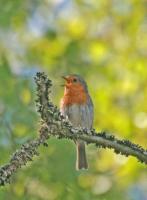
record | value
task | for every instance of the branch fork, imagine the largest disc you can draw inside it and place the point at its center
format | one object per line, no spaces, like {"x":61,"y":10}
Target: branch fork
{"x":54,"y":124}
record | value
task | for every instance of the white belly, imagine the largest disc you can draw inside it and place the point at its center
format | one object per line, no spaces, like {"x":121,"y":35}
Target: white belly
{"x":79,"y":115}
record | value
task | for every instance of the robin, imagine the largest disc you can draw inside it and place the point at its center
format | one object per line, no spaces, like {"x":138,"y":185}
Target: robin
{"x":77,"y":106}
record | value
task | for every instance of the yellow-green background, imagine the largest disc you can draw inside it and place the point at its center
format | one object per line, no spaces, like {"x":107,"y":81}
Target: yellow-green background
{"x":105,"y":41}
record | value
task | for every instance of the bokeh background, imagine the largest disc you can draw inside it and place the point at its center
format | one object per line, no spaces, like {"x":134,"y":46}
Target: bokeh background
{"x":105,"y":41}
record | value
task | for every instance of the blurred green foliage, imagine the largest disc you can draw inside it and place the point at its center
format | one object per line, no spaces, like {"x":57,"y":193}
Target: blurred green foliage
{"x":105,"y":42}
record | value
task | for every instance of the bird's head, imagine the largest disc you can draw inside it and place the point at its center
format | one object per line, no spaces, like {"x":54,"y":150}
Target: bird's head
{"x":74,"y":83}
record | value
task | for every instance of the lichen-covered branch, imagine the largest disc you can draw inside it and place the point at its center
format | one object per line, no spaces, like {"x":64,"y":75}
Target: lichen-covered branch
{"x":54,"y":124}
{"x":57,"y":125}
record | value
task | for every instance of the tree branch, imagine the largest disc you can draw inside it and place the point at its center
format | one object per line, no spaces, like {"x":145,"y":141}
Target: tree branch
{"x":54,"y":124}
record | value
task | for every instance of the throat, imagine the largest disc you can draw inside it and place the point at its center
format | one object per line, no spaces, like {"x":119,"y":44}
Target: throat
{"x":74,"y":98}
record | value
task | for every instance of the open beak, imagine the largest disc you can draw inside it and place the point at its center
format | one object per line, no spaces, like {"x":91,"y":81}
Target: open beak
{"x":65,"y":78}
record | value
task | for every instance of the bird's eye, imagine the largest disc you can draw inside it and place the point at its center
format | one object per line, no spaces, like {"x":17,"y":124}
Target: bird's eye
{"x":75,"y":80}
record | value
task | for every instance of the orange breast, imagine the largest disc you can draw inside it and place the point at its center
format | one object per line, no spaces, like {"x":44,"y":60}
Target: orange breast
{"x":74,"y":96}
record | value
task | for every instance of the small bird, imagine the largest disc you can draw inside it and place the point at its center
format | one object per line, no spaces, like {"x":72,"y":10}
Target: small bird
{"x":77,"y":106}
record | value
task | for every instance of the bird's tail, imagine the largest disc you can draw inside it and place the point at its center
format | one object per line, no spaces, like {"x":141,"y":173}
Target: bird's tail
{"x":81,"y":162}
